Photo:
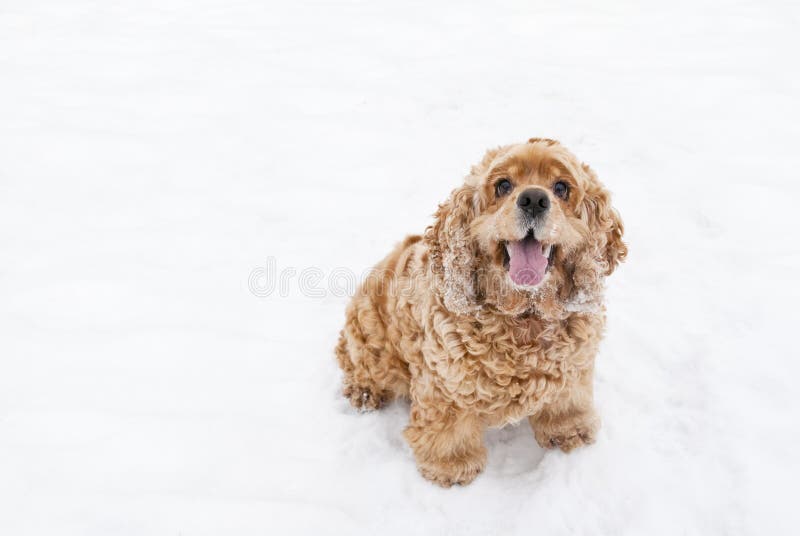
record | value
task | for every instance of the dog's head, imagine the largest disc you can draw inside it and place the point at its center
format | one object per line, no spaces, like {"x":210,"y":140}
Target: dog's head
{"x":531,"y":229}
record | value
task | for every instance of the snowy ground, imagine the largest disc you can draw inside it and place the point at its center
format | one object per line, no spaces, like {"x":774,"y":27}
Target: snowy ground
{"x":154,"y":154}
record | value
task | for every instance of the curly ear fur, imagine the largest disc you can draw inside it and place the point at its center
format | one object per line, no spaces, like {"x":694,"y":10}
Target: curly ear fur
{"x":604,"y":222}
{"x":454,"y":252}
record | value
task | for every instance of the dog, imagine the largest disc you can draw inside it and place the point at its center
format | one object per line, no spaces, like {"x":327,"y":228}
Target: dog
{"x":494,"y":315}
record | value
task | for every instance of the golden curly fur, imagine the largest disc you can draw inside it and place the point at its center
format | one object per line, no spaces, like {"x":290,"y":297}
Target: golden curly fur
{"x":441,"y":322}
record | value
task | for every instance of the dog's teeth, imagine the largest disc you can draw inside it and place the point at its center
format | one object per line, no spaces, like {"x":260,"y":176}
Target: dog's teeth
{"x":546,"y":250}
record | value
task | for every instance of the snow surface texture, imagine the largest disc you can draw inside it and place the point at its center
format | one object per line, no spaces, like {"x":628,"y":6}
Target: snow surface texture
{"x":152,"y":154}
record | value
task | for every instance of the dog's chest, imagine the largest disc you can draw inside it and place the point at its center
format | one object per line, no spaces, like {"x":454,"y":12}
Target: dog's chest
{"x":526,"y":363}
{"x":528,"y":331}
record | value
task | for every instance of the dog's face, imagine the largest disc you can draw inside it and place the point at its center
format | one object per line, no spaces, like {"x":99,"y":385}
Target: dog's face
{"x":531,"y":229}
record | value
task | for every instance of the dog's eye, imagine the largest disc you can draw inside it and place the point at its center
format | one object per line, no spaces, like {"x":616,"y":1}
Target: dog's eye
{"x":503,"y":187}
{"x":561,"y":189}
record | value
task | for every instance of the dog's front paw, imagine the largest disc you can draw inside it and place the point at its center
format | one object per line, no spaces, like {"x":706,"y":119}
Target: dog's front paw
{"x":365,"y":398}
{"x":460,"y":470}
{"x":567,"y":433}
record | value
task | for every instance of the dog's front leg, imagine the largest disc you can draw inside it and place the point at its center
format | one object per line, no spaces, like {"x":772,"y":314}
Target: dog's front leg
{"x":571,"y":420}
{"x":447,"y":442}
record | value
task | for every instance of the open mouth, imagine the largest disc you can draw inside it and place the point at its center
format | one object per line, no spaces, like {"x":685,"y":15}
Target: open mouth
{"x":527,"y":260}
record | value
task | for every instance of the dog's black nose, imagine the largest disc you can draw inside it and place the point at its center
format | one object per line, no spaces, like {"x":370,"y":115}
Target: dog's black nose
{"x":534,"y":202}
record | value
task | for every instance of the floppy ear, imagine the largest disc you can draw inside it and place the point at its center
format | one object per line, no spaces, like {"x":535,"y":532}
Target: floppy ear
{"x":604,"y":223}
{"x":454,"y":252}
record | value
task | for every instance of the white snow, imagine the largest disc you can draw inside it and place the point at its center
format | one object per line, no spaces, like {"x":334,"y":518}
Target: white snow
{"x":153,"y":154}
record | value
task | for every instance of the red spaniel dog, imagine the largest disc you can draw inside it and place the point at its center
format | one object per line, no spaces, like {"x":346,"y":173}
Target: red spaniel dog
{"x":494,"y":315}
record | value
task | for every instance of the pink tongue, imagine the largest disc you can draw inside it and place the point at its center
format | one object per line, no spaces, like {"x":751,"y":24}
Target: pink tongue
{"x":527,"y":264}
